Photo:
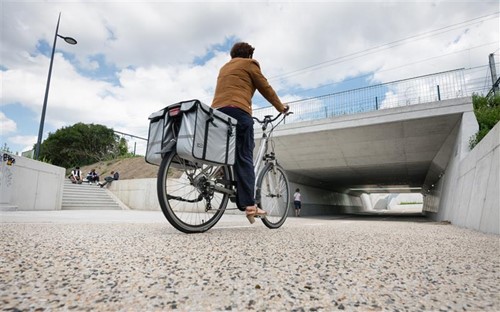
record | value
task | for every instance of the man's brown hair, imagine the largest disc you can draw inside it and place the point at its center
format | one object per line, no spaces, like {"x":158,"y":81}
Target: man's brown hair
{"x":242,"y":49}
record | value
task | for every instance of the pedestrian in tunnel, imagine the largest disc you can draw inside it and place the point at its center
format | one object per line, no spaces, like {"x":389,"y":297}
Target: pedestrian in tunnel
{"x":297,"y":202}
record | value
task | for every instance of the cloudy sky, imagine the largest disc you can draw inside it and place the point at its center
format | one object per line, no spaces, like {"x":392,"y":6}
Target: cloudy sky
{"x":136,"y":57}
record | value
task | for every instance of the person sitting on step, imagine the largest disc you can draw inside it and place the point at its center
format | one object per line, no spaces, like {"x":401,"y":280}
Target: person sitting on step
{"x":114,"y":176}
{"x":92,"y":177}
{"x":76,"y":176}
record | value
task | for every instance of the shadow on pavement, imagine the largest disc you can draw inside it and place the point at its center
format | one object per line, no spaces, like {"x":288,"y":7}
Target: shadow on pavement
{"x":377,"y":216}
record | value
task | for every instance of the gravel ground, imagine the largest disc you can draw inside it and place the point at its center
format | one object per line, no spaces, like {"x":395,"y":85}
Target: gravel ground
{"x":349,"y":263}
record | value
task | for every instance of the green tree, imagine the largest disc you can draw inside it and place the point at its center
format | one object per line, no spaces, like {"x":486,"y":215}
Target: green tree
{"x":123,"y":147}
{"x":80,"y":144}
{"x":487,"y":111}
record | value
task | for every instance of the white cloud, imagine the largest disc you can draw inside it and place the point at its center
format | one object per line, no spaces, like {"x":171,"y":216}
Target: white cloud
{"x":8,"y":125}
{"x":153,"y":45}
{"x":25,"y":141}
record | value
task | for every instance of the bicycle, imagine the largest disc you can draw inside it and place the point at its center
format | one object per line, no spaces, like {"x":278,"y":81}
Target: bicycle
{"x":196,"y":199}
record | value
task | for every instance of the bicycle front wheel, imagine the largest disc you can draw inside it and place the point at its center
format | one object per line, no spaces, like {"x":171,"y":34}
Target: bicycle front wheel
{"x":187,"y":196}
{"x":273,"y":195}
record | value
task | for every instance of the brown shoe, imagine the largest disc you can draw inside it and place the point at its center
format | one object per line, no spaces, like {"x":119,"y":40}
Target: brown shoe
{"x":252,"y":212}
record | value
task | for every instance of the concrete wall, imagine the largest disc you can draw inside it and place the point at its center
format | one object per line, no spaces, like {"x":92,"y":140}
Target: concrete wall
{"x":30,"y":185}
{"x":140,"y":194}
{"x":468,"y":194}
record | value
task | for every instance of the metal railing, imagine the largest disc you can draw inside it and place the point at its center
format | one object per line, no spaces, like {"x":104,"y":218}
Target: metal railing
{"x":412,"y":91}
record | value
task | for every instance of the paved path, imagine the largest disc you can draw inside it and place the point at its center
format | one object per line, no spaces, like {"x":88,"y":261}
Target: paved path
{"x":135,"y":261}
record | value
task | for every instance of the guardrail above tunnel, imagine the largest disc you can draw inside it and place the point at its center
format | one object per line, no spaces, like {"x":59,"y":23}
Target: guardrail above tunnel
{"x":440,"y":86}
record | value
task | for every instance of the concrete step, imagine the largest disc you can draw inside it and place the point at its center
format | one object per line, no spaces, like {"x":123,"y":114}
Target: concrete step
{"x":88,"y":201}
{"x":87,"y":197}
{"x":95,"y":206}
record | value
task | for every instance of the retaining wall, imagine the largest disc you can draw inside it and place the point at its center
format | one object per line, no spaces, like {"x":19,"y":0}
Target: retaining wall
{"x":468,"y":195}
{"x":28,"y":184}
{"x":140,"y":194}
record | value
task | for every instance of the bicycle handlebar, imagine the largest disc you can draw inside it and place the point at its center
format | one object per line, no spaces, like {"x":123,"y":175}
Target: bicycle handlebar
{"x":269,"y":118}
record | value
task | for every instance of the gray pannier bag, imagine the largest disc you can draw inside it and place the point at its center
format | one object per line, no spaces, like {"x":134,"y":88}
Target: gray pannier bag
{"x":206,"y":135}
{"x":159,"y":135}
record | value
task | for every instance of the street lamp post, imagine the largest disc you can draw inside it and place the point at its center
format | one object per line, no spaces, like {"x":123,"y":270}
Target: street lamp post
{"x":42,"y":119}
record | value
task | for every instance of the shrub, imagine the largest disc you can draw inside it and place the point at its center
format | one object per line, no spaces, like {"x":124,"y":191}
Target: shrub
{"x":487,"y":111}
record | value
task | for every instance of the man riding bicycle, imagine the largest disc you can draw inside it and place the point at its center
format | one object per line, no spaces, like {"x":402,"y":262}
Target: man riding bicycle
{"x":236,"y":84}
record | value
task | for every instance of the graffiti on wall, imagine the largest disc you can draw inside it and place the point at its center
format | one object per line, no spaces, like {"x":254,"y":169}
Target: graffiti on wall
{"x":9,"y":159}
{"x":6,"y":175}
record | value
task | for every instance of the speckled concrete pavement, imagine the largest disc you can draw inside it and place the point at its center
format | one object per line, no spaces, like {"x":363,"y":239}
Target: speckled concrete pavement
{"x":135,"y":261}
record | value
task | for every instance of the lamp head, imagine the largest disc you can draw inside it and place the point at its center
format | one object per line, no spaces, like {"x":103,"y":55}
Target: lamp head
{"x":69,"y":40}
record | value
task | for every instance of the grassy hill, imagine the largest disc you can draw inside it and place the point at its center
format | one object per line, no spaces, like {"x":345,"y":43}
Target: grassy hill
{"x":129,"y":168}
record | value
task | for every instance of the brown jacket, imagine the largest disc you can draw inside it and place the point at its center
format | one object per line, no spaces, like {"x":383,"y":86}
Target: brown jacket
{"x":238,"y":79}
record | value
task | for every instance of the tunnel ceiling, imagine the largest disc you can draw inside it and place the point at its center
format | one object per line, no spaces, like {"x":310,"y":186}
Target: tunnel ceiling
{"x":394,"y":153}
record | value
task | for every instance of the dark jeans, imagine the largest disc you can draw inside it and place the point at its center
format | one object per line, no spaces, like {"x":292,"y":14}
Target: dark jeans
{"x":93,"y":179}
{"x":107,"y":180}
{"x":243,"y":165}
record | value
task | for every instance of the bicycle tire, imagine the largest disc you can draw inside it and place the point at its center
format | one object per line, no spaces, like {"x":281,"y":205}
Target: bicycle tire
{"x":181,"y":199}
{"x":273,"y":195}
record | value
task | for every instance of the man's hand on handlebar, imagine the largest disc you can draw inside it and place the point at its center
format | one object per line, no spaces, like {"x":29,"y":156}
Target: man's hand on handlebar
{"x":287,"y":110}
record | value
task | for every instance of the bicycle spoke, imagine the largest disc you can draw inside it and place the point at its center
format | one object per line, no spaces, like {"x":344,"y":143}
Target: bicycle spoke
{"x":189,"y":202}
{"x":274,"y":195}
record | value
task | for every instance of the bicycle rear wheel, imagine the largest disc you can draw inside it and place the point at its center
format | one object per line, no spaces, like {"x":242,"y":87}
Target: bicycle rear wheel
{"x":273,"y":195}
{"x":187,"y":196}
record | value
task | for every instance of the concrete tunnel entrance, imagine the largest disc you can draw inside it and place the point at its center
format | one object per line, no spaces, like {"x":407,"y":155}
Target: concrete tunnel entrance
{"x":363,"y":162}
